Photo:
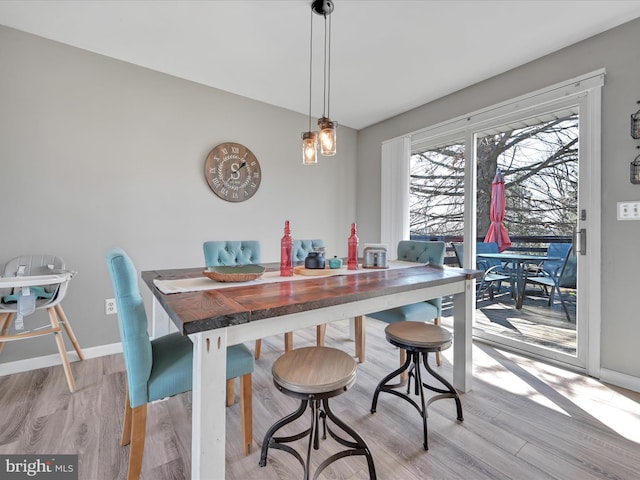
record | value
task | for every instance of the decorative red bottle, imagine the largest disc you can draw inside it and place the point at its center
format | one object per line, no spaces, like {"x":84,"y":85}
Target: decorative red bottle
{"x":286,"y":252}
{"x":352,"y":262}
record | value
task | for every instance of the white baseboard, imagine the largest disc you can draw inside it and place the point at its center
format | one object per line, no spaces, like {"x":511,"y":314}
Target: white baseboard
{"x":620,"y":379}
{"x":28,"y":364}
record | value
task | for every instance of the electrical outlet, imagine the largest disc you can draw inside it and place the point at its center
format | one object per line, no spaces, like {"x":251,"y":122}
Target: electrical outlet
{"x":628,"y":210}
{"x":110,"y":306}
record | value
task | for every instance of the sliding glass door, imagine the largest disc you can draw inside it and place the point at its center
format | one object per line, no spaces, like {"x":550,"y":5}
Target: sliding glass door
{"x":546,"y":151}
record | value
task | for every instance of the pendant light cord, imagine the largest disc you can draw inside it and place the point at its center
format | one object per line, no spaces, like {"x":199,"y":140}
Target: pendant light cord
{"x":327,"y":66}
{"x":328,"y":80}
{"x":310,"y":64}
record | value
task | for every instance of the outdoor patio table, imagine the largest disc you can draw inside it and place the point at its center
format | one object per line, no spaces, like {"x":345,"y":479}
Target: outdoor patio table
{"x":518,"y":272}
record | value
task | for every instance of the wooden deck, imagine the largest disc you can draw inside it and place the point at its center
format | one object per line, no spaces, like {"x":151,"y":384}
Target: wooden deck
{"x":536,"y":323}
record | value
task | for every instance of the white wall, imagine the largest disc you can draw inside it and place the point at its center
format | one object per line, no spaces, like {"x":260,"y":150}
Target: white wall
{"x":617,"y":52}
{"x":97,"y":153}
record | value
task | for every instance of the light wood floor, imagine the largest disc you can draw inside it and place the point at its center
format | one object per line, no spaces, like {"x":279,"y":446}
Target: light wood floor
{"x":523,"y":420}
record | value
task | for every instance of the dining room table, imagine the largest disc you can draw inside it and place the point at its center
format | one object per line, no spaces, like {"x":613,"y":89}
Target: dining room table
{"x":216,"y":315}
{"x":517,"y":264}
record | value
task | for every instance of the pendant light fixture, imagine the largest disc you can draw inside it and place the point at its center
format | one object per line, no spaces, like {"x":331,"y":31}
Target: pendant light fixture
{"x":327,"y":128}
{"x":309,"y":138}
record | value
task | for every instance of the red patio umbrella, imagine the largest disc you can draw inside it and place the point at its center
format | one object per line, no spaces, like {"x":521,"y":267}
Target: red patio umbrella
{"x":497,"y":233}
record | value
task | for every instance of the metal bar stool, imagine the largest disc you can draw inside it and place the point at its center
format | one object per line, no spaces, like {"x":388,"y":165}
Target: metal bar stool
{"x":418,"y":339}
{"x":313,"y":375}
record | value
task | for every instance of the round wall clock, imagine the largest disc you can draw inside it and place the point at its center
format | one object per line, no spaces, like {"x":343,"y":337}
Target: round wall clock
{"x":232,"y":172}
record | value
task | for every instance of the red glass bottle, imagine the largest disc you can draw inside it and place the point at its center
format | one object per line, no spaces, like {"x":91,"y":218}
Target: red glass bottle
{"x":286,"y":252}
{"x":352,"y":261}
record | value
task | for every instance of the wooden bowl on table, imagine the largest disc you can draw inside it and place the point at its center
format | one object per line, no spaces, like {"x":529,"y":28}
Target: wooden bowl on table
{"x":240,"y":273}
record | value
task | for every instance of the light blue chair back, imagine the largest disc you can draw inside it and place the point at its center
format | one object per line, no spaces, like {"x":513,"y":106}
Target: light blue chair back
{"x":424,"y":252}
{"x":420,"y":252}
{"x":132,"y":319}
{"x":230,"y":253}
{"x":560,"y":251}
{"x":487,"y":263}
{"x":458,"y":249}
{"x":154,"y":370}
{"x":301,"y":248}
{"x":568,"y":277}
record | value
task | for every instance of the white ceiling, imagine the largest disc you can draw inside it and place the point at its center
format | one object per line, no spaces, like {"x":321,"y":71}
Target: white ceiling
{"x":387,"y":56}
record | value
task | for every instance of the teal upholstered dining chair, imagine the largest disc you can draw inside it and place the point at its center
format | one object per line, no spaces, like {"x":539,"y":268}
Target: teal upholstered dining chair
{"x":420,"y":252}
{"x":161,"y":367}
{"x":237,"y":252}
{"x":229,"y":253}
{"x":302,"y":248}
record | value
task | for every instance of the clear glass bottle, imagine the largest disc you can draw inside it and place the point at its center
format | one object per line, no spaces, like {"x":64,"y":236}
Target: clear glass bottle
{"x":352,"y":261}
{"x":286,"y":252}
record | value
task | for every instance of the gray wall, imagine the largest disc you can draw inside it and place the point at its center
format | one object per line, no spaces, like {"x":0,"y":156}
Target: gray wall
{"x":97,"y":153}
{"x":616,"y":51}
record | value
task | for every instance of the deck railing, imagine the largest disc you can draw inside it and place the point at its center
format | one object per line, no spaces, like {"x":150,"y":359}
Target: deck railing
{"x":524,"y":243}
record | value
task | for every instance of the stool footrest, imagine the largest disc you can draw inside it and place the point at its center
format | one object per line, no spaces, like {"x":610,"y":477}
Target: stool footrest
{"x":412,"y":364}
{"x":319,"y":410}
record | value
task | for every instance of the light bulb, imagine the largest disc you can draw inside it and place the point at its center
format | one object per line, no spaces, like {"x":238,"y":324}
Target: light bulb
{"x":327,"y":141}
{"x":309,"y":148}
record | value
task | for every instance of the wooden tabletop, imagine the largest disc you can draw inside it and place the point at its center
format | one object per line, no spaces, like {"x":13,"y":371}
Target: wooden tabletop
{"x":194,"y":312}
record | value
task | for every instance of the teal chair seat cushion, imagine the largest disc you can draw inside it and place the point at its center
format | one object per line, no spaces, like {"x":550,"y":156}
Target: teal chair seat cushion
{"x":239,"y":361}
{"x":171,"y":372}
{"x":416,"y":312}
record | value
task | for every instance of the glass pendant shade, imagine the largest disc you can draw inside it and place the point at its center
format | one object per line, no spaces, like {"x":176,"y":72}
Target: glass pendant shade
{"x":309,"y":148}
{"x":328,"y":130}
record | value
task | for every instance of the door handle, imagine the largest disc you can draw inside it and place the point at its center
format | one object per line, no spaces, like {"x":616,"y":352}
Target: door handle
{"x":580,"y":241}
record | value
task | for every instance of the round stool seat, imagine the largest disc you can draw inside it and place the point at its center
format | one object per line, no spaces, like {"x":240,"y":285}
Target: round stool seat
{"x":418,"y":336}
{"x":314,"y":370}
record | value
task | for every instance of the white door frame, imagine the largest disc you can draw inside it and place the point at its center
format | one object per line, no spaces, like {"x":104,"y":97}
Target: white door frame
{"x":585,"y":91}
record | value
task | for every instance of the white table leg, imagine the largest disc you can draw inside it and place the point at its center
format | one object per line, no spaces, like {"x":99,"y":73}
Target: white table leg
{"x":161,"y":323}
{"x":463,"y":310}
{"x":208,"y":436}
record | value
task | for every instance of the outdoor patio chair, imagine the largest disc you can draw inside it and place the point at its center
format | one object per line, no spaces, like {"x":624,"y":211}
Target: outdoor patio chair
{"x":557,"y":250}
{"x":494,"y":271}
{"x":556,"y":274}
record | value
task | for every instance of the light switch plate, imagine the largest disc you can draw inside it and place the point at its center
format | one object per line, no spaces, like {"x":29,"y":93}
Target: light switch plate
{"x":629,"y":210}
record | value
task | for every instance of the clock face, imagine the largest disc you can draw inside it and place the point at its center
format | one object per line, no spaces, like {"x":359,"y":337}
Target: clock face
{"x":233,"y":172}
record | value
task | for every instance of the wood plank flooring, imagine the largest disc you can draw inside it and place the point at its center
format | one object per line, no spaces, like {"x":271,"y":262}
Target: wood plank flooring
{"x":523,"y":420}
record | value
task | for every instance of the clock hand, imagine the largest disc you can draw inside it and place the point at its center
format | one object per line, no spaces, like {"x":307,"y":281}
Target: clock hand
{"x":235,"y":172}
